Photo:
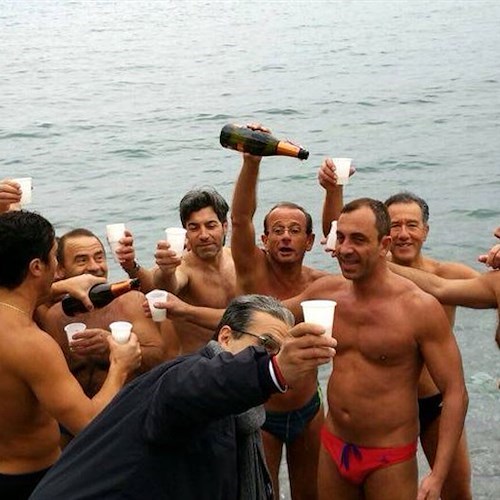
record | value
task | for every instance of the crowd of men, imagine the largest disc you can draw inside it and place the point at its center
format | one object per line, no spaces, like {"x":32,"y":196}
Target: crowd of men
{"x":205,"y":403}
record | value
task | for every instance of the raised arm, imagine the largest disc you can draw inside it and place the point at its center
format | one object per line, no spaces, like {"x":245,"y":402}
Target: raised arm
{"x":334,"y":194}
{"x":169,"y":274}
{"x":245,"y":252}
{"x":127,"y":259}
{"x":442,"y":357}
{"x":10,"y":195}
{"x":478,"y":293}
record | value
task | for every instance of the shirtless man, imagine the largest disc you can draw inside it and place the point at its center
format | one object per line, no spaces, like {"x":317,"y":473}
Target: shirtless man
{"x":293,"y":419}
{"x":203,"y":276}
{"x":36,"y":388}
{"x":80,"y":252}
{"x":386,"y":329}
{"x":409,"y":229}
{"x":482,"y":292}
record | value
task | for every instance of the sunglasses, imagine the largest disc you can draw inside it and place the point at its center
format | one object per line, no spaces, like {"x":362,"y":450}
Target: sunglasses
{"x":271,"y":345}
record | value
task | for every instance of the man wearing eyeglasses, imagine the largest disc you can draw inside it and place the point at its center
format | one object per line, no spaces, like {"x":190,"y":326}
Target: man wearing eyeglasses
{"x":293,"y":420}
{"x":190,"y":428}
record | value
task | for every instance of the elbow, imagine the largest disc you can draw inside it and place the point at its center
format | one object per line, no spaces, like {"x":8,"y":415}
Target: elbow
{"x":465,"y":398}
{"x":239,"y":219}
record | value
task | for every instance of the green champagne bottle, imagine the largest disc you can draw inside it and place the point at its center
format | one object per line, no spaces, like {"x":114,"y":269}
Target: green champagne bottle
{"x":100,"y":295}
{"x":258,"y":143}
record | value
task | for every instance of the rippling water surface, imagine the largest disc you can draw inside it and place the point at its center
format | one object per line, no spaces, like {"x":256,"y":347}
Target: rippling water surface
{"x":114,"y":108}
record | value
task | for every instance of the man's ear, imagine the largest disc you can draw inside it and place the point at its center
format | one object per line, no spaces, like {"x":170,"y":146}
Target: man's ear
{"x":385,"y":243}
{"x":264,"y":237}
{"x":60,"y":272}
{"x":36,"y":267}
{"x":225,"y":336}
{"x":426,"y":230}
{"x":310,"y":241}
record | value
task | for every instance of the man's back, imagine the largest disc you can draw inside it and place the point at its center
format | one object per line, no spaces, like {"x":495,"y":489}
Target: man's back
{"x":29,"y":436}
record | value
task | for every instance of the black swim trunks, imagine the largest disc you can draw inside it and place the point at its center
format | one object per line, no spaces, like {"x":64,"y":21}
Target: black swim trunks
{"x":287,"y":426}
{"x":19,"y":486}
{"x":428,"y":410}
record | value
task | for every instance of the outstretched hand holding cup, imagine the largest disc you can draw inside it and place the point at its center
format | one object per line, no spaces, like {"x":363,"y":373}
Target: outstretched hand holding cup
{"x":125,"y":356}
{"x":320,"y":312}
{"x":114,"y":233}
{"x":304,"y":350}
{"x":157,"y":296}
{"x":121,"y":330}
{"x":176,"y":238}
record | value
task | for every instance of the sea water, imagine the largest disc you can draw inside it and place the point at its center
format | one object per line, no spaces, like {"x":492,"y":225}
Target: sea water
{"x":114,"y":109}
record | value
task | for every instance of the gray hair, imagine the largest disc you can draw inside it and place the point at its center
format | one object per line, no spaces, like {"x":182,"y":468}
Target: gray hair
{"x":239,"y":313}
{"x":407,"y":197}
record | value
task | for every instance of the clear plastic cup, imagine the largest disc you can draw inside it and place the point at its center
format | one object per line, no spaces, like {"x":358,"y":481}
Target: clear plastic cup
{"x":73,"y":328}
{"x":342,"y":169}
{"x":157,"y":296}
{"x":320,"y":312}
{"x":331,"y":240}
{"x":26,"y":187}
{"x":176,"y":237}
{"x":114,"y":233}
{"x":121,"y":330}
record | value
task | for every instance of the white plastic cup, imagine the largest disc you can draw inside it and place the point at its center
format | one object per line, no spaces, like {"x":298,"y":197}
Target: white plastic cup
{"x":120,"y":330}
{"x":114,"y":233}
{"x":176,"y":237}
{"x":26,"y":186}
{"x":331,"y":240}
{"x":320,"y":312}
{"x":74,"y":328}
{"x":342,"y":169}
{"x":157,"y":296}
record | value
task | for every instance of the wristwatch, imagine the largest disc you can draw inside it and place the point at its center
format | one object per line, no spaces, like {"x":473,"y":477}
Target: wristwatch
{"x":134,"y":271}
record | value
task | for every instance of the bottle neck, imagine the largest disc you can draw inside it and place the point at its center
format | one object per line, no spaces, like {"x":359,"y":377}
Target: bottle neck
{"x":125,"y":286}
{"x":288,"y":149}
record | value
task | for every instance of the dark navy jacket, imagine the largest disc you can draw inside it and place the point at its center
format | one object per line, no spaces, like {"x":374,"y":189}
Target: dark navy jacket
{"x":169,"y":434}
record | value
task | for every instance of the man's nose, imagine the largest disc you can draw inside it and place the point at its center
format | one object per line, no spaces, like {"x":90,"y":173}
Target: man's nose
{"x":93,"y":265}
{"x":204,"y":233}
{"x":403,"y":232}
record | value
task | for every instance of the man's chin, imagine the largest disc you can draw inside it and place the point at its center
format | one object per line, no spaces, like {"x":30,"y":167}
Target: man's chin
{"x":207,"y":252}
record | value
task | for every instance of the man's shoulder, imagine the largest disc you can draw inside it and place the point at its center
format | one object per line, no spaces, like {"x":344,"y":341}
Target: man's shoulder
{"x":312,"y":274}
{"x":404,"y":290}
{"x":29,"y":345}
{"x":326,"y":283}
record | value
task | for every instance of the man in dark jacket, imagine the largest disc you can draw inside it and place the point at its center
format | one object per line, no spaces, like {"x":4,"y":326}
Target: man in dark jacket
{"x":179,"y":431}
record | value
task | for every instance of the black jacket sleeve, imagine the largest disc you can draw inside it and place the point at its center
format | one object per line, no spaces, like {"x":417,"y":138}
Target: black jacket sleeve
{"x":200,"y":390}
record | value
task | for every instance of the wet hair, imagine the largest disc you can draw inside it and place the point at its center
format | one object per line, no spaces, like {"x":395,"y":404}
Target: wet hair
{"x":74,"y":233}
{"x":196,"y":199}
{"x":407,"y":197}
{"x":24,"y":236}
{"x":289,"y":204}
{"x":240,"y":311}
{"x":382,"y":219}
